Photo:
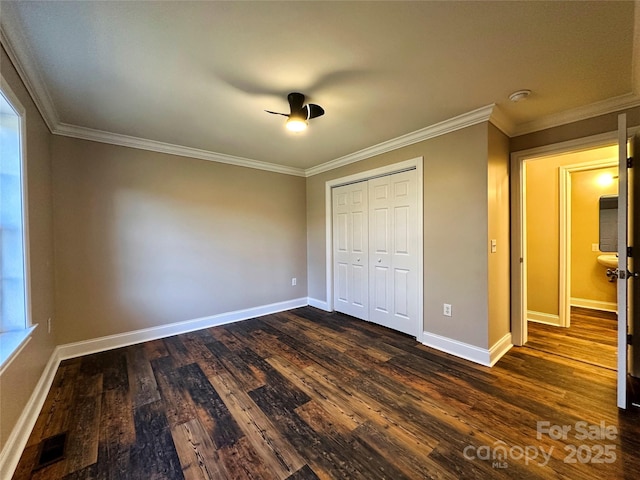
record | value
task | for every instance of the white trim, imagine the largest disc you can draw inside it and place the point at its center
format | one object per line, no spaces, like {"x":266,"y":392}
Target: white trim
{"x":594,"y":304}
{"x":100,"y":344}
{"x":29,"y":73}
{"x":564,"y":247}
{"x":171,"y":149}
{"x":441,"y":128}
{"x":499,"y":349}
{"x":502,"y":121}
{"x":13,"y":448}
{"x":414,"y":163}
{"x":12,"y":343}
{"x":564,"y":283}
{"x":518,"y":266}
{"x":610,"y":105}
{"x":623,"y":284}
{"x":321,"y":304}
{"x":483,"y":356}
{"x":14,"y":102}
{"x":546,"y":318}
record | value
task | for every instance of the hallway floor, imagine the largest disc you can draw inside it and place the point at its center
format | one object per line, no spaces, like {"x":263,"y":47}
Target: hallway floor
{"x":591,"y":338}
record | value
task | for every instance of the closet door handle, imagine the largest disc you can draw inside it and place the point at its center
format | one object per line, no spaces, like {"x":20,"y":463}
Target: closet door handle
{"x":379,"y":260}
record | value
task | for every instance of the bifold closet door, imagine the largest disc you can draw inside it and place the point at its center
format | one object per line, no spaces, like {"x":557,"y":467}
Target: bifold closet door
{"x":393,"y":251}
{"x":350,"y":250}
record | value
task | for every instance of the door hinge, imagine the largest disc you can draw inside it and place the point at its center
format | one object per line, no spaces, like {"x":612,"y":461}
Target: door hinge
{"x":630,"y":162}
{"x":630,"y":252}
{"x":629,"y":339}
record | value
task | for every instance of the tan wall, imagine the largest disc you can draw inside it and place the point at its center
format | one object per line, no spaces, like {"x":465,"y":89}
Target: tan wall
{"x":455,"y":229}
{"x":498,"y":211}
{"x":543,"y":225}
{"x":20,"y":378}
{"x":588,"y":278}
{"x":144,"y":239}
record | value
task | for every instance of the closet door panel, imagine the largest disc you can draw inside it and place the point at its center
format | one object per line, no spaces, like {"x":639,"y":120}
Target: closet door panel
{"x":350,"y":249}
{"x":393,"y":240}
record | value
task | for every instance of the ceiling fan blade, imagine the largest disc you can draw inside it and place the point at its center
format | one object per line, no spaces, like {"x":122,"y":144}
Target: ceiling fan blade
{"x":296,"y":101}
{"x":277,"y":113}
{"x":314,"y":110}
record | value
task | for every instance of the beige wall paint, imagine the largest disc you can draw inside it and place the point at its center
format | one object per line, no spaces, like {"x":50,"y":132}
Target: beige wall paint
{"x":588,"y":279}
{"x":572,"y":131}
{"x":498,"y":211}
{"x":144,"y":239}
{"x":542,"y":249}
{"x":19,"y":380}
{"x":543,"y":225}
{"x":456,"y":229}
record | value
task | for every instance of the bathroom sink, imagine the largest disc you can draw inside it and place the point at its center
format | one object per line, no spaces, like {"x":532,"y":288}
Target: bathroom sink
{"x":609,"y":260}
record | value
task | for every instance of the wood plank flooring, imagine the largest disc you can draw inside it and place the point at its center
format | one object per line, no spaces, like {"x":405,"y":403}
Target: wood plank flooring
{"x":309,"y":395}
{"x":591,"y":337}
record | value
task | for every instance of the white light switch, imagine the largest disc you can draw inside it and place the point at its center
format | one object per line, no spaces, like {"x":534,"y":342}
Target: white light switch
{"x":595,"y":247}
{"x":494,"y":245}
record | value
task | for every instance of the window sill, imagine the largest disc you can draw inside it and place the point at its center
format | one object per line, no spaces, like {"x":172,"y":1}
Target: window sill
{"x":11,"y":343}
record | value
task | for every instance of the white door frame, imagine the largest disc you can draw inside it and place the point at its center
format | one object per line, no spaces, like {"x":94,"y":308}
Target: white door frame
{"x":518,"y":234}
{"x":564,"y":282}
{"x":412,"y":164}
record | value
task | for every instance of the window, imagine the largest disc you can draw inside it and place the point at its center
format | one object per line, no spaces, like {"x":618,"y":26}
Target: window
{"x":15,"y":324}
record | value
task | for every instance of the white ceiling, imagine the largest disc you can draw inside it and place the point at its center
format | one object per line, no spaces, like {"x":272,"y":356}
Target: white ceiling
{"x":201,"y":74}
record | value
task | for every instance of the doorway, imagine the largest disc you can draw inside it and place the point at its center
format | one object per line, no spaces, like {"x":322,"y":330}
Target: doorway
{"x":624,"y":139}
{"x":566,"y":283}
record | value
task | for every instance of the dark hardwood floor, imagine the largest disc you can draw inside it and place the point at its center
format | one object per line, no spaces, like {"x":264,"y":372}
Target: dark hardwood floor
{"x":307,"y":394}
{"x":591,"y":338}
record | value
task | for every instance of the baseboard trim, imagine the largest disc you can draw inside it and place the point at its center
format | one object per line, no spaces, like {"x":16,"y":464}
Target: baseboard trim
{"x":594,"y":304}
{"x":483,"y":356}
{"x":546,"y":318}
{"x":499,"y":349}
{"x":13,"y":448}
{"x":101,"y":344}
{"x":321,"y":304}
{"x":12,"y":451}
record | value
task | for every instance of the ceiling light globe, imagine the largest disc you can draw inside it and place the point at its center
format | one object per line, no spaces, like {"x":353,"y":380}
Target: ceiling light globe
{"x":296,"y":125}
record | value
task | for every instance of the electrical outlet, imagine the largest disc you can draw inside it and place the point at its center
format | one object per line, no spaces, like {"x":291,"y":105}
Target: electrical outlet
{"x":595,"y":247}
{"x":294,"y":281}
{"x":49,"y":325}
{"x":446,"y":310}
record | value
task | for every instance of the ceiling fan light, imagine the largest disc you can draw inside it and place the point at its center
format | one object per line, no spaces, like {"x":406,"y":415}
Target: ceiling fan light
{"x":296,"y":125}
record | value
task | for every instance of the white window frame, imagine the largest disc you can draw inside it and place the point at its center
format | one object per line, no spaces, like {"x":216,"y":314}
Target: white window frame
{"x":12,"y":342}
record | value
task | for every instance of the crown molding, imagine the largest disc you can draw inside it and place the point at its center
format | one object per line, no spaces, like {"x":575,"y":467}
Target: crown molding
{"x":101,"y":136}
{"x":502,"y":121}
{"x":28,"y":71}
{"x":610,"y":105}
{"x":447,"y":126}
{"x":17,"y":48}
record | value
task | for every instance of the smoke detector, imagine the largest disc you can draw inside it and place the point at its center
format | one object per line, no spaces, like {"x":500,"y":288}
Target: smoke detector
{"x":519,"y":95}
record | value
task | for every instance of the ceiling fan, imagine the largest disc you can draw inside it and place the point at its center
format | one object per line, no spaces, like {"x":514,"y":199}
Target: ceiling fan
{"x":300,"y":113}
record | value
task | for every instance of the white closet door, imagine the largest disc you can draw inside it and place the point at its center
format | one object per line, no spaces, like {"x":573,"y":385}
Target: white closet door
{"x":350,"y":249}
{"x":393,"y":255}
